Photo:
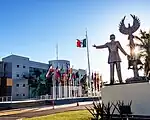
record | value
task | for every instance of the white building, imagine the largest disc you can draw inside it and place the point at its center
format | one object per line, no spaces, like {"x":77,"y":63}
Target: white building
{"x":22,"y":66}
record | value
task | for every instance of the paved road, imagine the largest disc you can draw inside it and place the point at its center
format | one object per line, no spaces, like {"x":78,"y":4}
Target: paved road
{"x":40,"y":111}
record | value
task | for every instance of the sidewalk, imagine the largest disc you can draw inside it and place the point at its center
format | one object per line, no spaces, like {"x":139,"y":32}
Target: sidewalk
{"x":40,"y":111}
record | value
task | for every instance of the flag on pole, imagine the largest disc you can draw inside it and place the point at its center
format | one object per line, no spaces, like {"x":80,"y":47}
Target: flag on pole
{"x":97,"y":81}
{"x":49,"y":71}
{"x":81,"y":43}
{"x":95,"y":76}
{"x":92,"y":77}
{"x":57,"y":74}
{"x":67,"y":68}
{"x":101,"y":82}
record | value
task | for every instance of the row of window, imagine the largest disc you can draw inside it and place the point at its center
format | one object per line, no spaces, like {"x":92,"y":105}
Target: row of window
{"x":22,"y":76}
{"x":32,"y":70}
{"x":17,"y":85}
{"x":19,"y":66}
{"x":20,"y":94}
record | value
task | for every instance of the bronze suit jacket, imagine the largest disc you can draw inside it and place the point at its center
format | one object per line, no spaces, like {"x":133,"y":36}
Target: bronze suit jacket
{"x":113,"y":47}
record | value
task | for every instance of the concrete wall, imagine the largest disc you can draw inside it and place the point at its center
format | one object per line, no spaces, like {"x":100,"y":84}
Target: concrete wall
{"x":139,"y":93}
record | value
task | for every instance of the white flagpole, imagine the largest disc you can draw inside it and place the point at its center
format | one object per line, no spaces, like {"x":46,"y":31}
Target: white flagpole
{"x":89,"y":72}
{"x":57,"y":51}
{"x":72,"y":81}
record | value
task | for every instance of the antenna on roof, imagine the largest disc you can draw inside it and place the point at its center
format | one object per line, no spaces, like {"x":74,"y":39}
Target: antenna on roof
{"x":57,"y":51}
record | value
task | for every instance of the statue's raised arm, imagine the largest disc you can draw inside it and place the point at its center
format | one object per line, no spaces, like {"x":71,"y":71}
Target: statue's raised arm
{"x":100,"y":46}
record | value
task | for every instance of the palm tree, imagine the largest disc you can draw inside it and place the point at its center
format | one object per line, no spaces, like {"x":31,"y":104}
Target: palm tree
{"x":144,"y":49}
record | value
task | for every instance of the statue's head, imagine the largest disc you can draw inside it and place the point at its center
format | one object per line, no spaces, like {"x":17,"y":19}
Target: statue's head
{"x":112,"y":37}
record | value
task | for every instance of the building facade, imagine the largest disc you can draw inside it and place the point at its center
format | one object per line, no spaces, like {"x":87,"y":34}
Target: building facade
{"x":19,"y":69}
{"x":5,"y":78}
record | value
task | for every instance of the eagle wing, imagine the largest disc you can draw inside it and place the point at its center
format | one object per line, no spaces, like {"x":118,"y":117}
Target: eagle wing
{"x":122,"y":27}
{"x":136,"y":23}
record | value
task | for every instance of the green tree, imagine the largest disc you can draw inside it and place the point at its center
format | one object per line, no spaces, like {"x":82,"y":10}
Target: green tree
{"x":37,"y":83}
{"x":84,"y":84}
{"x":143,"y":42}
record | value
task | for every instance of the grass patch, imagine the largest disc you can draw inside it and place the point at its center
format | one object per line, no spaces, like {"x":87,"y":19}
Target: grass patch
{"x":71,"y":115}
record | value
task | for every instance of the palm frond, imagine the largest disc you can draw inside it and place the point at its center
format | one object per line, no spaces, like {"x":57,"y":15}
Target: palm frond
{"x":137,"y":38}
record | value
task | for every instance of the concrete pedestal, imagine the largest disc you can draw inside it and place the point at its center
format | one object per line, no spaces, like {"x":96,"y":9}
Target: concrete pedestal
{"x":139,"y":93}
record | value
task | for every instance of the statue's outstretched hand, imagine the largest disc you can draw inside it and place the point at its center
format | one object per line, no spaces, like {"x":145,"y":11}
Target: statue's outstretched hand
{"x":94,"y":45}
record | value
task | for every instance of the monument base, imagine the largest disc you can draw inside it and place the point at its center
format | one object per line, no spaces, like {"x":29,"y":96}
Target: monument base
{"x":137,"y":92}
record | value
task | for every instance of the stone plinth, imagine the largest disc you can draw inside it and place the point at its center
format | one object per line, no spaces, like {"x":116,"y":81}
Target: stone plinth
{"x":139,"y":93}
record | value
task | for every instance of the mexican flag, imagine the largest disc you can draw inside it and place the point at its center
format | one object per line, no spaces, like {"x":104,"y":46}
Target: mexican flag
{"x":81,"y":43}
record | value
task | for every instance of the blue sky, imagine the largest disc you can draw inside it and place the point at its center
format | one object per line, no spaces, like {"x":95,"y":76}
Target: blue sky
{"x":33,"y":27}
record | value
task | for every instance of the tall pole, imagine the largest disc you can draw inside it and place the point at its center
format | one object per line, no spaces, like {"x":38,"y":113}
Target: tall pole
{"x":57,"y":83}
{"x":89,"y":72}
{"x":57,"y":51}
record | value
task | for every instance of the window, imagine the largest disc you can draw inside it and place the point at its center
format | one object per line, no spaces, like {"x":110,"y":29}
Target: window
{"x":23,"y":85}
{"x":17,"y":66}
{"x":17,"y":94}
{"x":17,"y":85}
{"x":24,"y":76}
{"x":17,"y":75}
{"x":24,"y":66}
{"x":23,"y":94}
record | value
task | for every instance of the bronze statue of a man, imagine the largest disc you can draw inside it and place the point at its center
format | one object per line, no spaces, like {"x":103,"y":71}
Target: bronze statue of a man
{"x":114,"y":58}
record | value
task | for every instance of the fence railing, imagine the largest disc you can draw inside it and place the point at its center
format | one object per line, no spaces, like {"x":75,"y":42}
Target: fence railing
{"x":5,"y":98}
{"x":46,"y":97}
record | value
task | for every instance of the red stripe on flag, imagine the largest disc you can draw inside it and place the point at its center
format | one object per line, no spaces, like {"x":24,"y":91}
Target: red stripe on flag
{"x":78,"y":43}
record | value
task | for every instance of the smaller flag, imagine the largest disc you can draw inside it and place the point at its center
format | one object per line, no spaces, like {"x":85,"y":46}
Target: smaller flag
{"x":92,"y":77}
{"x":77,"y":74}
{"x":57,"y":73}
{"x":70,"y":71}
{"x":67,"y":68}
{"x":62,"y":70}
{"x":95,"y":76}
{"x":73,"y":76}
{"x":49,"y":71}
{"x":95,"y":80}
{"x":81,"y":43}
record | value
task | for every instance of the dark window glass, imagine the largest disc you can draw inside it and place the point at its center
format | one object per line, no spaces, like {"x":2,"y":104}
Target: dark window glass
{"x":24,"y":76}
{"x":24,"y":66}
{"x":17,"y":75}
{"x":23,"y":85}
{"x":17,"y":66}
{"x":17,"y":85}
{"x":23,"y":94}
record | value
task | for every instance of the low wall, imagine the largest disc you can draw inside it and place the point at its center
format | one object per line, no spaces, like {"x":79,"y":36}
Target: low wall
{"x":139,"y":93}
{"x":36,"y":103}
